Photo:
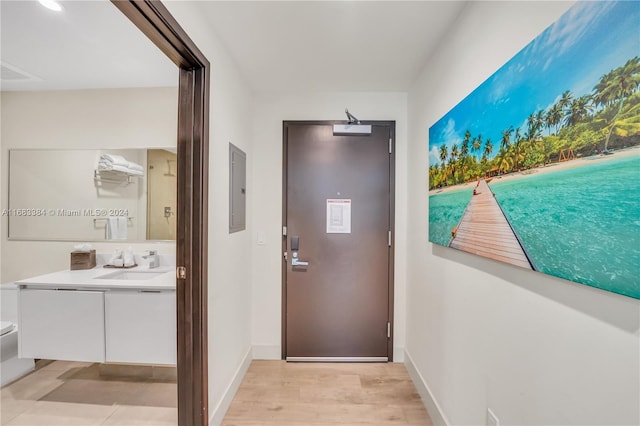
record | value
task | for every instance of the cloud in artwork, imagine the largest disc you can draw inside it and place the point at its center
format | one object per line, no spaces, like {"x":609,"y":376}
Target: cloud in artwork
{"x":449,"y":136}
{"x":552,"y":44}
{"x":434,"y":156}
{"x":564,"y":34}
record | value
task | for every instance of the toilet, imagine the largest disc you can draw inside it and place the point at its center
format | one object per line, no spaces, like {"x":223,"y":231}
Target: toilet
{"x":6,"y":327}
{"x":11,"y":367}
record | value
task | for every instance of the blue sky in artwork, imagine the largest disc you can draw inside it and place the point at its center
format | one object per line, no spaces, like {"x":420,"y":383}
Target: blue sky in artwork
{"x":588,"y":41}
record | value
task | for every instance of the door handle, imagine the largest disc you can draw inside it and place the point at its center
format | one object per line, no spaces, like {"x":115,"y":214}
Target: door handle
{"x":297,"y":262}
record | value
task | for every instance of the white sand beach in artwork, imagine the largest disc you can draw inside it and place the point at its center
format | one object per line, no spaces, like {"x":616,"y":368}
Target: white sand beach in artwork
{"x":554,"y":167}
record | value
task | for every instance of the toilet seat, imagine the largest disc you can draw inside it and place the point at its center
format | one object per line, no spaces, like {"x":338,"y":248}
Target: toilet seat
{"x":6,"y":327}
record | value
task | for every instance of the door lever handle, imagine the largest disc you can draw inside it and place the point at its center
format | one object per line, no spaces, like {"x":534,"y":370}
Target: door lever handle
{"x":296,"y":262}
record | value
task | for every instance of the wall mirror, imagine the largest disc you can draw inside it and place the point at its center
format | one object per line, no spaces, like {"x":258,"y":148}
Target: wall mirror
{"x":92,"y":194}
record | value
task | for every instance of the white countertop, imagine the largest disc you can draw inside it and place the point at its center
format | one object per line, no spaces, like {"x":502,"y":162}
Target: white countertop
{"x":92,"y":279}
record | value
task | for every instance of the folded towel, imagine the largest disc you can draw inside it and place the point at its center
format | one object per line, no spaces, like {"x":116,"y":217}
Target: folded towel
{"x":106,"y":167}
{"x":135,"y":172}
{"x":117,"y":263}
{"x":116,"y":258}
{"x":135,"y":166}
{"x":128,"y":259}
{"x":114,"y":159}
{"x":116,"y":228}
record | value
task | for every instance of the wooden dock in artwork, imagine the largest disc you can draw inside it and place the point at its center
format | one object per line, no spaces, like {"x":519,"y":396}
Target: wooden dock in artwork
{"x":484,"y":230}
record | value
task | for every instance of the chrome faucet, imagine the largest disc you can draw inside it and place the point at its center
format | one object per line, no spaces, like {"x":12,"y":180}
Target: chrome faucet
{"x":152,"y":258}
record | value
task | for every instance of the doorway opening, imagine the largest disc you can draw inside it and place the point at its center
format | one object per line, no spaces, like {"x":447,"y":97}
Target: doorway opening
{"x":155,"y":21}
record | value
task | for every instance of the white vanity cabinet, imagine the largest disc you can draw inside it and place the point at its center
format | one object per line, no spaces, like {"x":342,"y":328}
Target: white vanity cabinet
{"x":93,"y":315}
{"x":62,"y":324}
{"x":140,"y":326}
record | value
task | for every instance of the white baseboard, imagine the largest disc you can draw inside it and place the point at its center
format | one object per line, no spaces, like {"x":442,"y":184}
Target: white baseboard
{"x":267,"y":352}
{"x":434,"y":410}
{"x":217,"y":415}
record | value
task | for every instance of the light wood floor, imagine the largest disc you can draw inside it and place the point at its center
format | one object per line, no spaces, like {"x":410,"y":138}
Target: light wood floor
{"x":272,"y":393}
{"x":314,"y":394}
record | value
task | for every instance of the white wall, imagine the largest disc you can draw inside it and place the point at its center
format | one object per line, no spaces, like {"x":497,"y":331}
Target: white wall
{"x":78,"y":119}
{"x":535,"y":349}
{"x":229,"y":289}
{"x":270,"y":110}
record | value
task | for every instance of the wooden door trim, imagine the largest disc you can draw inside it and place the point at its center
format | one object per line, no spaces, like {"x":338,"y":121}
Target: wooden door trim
{"x":155,"y":21}
{"x":392,"y":189}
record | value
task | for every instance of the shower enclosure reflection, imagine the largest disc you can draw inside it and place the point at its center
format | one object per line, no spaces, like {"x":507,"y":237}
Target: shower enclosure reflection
{"x":161,"y":194}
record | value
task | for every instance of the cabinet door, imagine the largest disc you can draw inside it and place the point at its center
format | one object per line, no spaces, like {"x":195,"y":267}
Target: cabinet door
{"x":141,"y":327}
{"x":63,"y":325}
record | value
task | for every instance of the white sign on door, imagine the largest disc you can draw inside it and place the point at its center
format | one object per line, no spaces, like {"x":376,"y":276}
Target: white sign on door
{"x":338,"y":216}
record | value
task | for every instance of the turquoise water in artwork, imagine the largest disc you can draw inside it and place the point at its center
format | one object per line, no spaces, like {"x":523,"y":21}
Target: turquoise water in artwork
{"x":445,"y":211}
{"x":581,"y":224}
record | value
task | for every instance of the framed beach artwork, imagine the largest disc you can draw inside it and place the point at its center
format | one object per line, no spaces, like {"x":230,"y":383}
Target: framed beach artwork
{"x":539,"y":166}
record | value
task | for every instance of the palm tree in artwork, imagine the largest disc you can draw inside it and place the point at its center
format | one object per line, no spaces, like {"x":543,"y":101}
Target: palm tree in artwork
{"x":615,"y":87}
{"x":464,"y":146}
{"x":467,"y":137}
{"x":539,"y":119}
{"x":453,"y":155}
{"x":565,"y":100}
{"x":553,"y":118}
{"x":579,"y":110}
{"x":476,"y":144}
{"x":504,"y":160}
{"x":505,"y":142}
{"x":534,"y":128}
{"x":444,"y":153}
{"x":534,"y":125}
{"x":488,"y":149}
{"x":464,"y":154}
{"x":517,"y":140}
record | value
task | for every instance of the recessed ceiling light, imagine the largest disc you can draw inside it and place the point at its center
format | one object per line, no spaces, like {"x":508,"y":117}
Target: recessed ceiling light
{"x":51,"y":4}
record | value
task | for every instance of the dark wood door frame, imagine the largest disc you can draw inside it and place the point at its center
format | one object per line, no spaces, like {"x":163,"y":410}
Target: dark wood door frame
{"x":392,"y":218}
{"x":155,"y":21}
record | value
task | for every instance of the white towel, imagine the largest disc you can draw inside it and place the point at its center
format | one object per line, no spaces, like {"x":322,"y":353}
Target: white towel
{"x":128,"y":259}
{"x":135,"y":172}
{"x":108,"y":167}
{"x":116,"y":258}
{"x":116,"y":228}
{"x":135,"y":166}
{"x":114,"y":159}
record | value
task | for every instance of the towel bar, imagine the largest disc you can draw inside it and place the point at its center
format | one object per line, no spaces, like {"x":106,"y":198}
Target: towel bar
{"x":95,"y":220}
{"x":118,"y":177}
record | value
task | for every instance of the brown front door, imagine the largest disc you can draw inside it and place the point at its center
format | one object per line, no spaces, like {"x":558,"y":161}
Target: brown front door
{"x":338,"y":218}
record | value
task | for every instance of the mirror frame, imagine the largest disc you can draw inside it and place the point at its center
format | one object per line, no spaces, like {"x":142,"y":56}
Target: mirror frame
{"x":155,"y":21}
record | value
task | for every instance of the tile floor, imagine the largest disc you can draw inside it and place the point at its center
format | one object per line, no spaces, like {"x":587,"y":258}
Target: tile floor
{"x":83,"y":394}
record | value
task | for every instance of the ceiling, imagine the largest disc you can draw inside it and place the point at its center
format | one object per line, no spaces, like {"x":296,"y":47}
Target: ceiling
{"x":278,"y":46}
{"x":89,"y":44}
{"x":331,"y":45}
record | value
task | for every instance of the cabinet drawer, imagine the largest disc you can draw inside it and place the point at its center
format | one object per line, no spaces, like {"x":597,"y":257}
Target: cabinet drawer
{"x":140,"y":327}
{"x":63,"y":325}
